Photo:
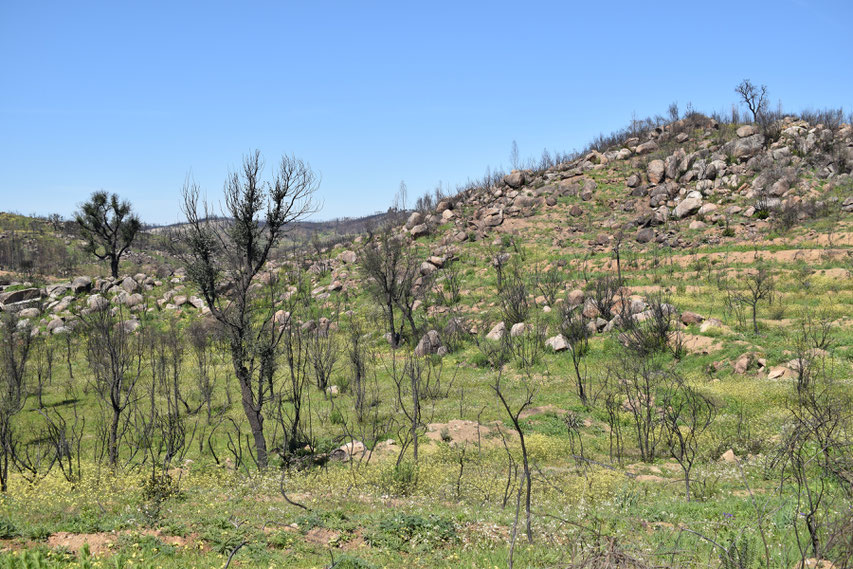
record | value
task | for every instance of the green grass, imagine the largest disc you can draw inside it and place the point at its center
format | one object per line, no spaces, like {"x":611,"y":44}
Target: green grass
{"x":456,"y":507}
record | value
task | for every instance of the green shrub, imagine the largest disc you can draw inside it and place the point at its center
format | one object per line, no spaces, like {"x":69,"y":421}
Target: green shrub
{"x":413,"y":531}
{"x":352,"y":562}
{"x":400,"y":480}
{"x":8,"y":529}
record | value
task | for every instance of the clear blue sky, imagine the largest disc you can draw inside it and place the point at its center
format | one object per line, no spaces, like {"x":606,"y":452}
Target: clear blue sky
{"x":130,"y":97}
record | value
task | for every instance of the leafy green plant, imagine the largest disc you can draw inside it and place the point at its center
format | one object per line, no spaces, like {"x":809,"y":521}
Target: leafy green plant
{"x":413,"y":531}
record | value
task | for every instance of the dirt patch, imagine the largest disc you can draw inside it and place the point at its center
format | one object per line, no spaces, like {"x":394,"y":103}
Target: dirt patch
{"x":474,"y":532}
{"x":355,"y":542}
{"x":695,"y":344}
{"x":649,"y":478}
{"x":321,"y":536}
{"x":541,"y":410}
{"x":836,"y":273}
{"x":459,"y":431}
{"x":103,"y":542}
{"x":99,"y":543}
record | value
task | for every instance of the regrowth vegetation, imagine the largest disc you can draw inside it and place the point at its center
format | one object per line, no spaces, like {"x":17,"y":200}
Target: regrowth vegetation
{"x":613,"y":358}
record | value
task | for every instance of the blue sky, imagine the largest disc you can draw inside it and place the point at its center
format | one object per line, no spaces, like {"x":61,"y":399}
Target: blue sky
{"x":131,"y":97}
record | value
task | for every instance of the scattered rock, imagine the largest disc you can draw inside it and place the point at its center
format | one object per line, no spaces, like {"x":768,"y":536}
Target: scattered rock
{"x":430,"y":344}
{"x":416,"y":218}
{"x":557,"y":343}
{"x":419,"y":230}
{"x":497,"y":332}
{"x":645,"y":235}
{"x":81,"y":284}
{"x":348,"y":257}
{"x":20,"y":295}
{"x":729,"y":457}
{"x":97,"y":302}
{"x":688,"y":318}
{"x":656,"y":171}
{"x":515,"y":180}
{"x":129,"y":285}
{"x":746,"y":130}
{"x":687,"y":207}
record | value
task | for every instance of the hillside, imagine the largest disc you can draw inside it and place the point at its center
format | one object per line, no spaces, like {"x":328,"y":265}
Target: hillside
{"x":640,"y":356}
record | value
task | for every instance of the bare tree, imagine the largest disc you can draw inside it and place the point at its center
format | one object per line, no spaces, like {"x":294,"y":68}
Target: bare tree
{"x":410,"y":381}
{"x":577,"y":333}
{"x":604,"y":290}
{"x":514,"y":414}
{"x":115,"y":355}
{"x":199,"y":334}
{"x":515,"y":306}
{"x":639,"y":380}
{"x":224,"y":259}
{"x":65,"y":438}
{"x":323,"y":355}
{"x":758,"y":286}
{"x":391,"y":270}
{"x":15,"y":351}
{"x":754,"y":97}
{"x":513,"y":155}
{"x":108,"y":226}
{"x":292,"y":399}
{"x":550,"y":283}
{"x":687,"y":414}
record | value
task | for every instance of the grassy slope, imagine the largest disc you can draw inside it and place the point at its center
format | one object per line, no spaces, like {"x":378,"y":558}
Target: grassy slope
{"x":373,"y":515}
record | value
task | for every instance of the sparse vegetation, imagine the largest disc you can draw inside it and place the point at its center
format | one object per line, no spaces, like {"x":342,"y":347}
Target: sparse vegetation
{"x":390,"y":399}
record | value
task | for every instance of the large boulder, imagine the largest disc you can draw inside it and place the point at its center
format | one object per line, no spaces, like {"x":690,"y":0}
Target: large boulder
{"x":430,"y":344}
{"x":97,"y":302}
{"x":745,"y":147}
{"x":31,"y":312}
{"x":56,"y":290}
{"x":129,"y":285}
{"x":515,"y":180}
{"x":748,"y":361}
{"x":131,"y":300}
{"x":349,"y":451}
{"x":656,"y":171}
{"x":645,"y":235}
{"x":497,"y":332}
{"x":557,"y":343}
{"x":416,"y":218}
{"x":517,"y":329}
{"x":419,"y":230}
{"x":55,"y":323}
{"x":81,"y":284}
{"x":427,"y":268}
{"x":348,"y":257}
{"x":20,"y":295}
{"x":746,"y":131}
{"x":687,"y":206}
{"x":456,"y":327}
{"x":493,"y":217}
{"x":575,"y":297}
{"x":129,"y":326}
{"x":646,"y":147}
{"x":633,"y":181}
{"x":688,"y":318}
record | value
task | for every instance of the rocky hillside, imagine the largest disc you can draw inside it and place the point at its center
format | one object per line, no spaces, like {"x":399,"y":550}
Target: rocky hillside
{"x":689,"y":183}
{"x":694,"y":180}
